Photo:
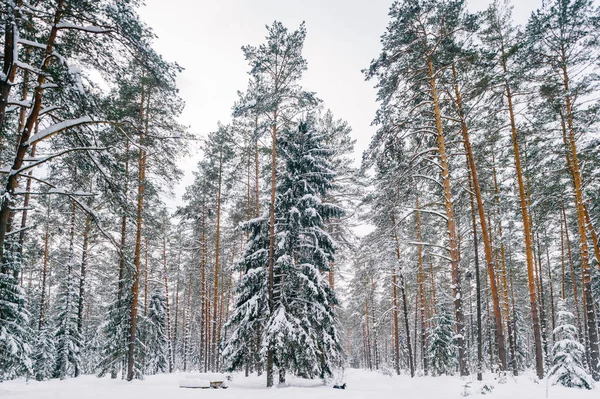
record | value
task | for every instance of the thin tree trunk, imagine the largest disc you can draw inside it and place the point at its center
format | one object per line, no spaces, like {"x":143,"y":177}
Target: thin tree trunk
{"x":84,"y":259}
{"x":121,"y":282}
{"x":216,"y":281}
{"x":145,"y":276}
{"x":572,"y":271}
{"x":423,"y":299}
{"x":404,"y":304}
{"x":270,"y":353}
{"x":45,"y":269}
{"x":166,"y":283}
{"x":478,"y":291}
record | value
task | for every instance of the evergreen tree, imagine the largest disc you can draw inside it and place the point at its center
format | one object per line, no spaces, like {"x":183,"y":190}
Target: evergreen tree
{"x":156,"y":335}
{"x":15,"y":333}
{"x":442,"y":348}
{"x":302,"y":331}
{"x":568,"y":354}
{"x":44,"y":356}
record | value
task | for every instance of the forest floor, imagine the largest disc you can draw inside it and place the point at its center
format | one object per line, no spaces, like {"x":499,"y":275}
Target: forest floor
{"x":361,"y":384}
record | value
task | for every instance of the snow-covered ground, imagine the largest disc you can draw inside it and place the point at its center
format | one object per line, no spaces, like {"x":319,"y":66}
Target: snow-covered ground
{"x":361,"y":384}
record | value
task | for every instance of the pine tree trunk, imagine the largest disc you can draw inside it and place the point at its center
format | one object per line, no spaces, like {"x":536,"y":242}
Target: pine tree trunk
{"x":404,"y":305}
{"x":272,"y":240}
{"x":168,"y":309}
{"x":572,"y":272}
{"x":121,"y":282}
{"x":452,"y":236}
{"x":485,"y":234}
{"x":44,"y":269}
{"x":395,"y":315}
{"x":203,"y":333}
{"x":216,"y":281}
{"x":593,"y":234}
{"x":479,"y":366}
{"x":507,"y":312}
{"x":145,"y":276}
{"x":9,"y":68}
{"x":82,"y":275}
{"x":581,"y":224}
{"x":543,"y":319}
{"x":423,"y":299}
{"x":138,"y":243}
{"x":537,"y":334}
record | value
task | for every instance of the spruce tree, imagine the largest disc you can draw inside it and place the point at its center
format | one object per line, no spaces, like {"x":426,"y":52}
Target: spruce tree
{"x":442,"y":348}
{"x":15,"y":333}
{"x":156,"y":335}
{"x":568,"y":354}
{"x":302,"y":331}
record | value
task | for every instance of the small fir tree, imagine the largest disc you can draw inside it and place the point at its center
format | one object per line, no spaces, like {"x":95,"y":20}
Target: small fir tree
{"x":568,"y":354}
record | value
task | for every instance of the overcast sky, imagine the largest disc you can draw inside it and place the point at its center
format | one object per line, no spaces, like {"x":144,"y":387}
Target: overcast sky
{"x":205,"y":37}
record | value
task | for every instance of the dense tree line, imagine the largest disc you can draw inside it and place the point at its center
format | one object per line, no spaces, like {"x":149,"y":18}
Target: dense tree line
{"x":484,"y":164}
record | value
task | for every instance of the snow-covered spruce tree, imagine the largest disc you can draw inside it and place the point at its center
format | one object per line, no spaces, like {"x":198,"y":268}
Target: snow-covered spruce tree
{"x":68,"y":339}
{"x":44,"y":355}
{"x":246,"y":321}
{"x":568,"y":354}
{"x":113,"y":348}
{"x":156,"y":355}
{"x":15,"y":333}
{"x":277,"y":66}
{"x":301,"y":331}
{"x":442,"y":349}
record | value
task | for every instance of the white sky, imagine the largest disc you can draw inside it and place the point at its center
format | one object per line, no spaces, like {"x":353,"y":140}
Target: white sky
{"x":205,"y":37}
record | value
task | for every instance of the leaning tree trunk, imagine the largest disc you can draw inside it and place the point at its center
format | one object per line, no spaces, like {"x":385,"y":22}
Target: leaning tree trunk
{"x":537,"y":334}
{"x":592,"y":328}
{"x":485,"y":234}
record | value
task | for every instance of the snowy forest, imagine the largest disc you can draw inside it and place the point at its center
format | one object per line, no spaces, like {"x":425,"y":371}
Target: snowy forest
{"x":463,"y":242}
